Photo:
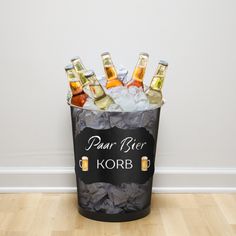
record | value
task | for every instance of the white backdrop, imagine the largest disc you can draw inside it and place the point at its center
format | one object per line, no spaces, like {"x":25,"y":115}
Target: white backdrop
{"x":197,"y":127}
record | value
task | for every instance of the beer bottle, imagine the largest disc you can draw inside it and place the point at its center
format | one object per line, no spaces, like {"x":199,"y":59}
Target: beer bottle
{"x":80,"y":70}
{"x":139,"y":71}
{"x":79,"y":97}
{"x":85,"y":83}
{"x":154,"y":93}
{"x":101,"y":99}
{"x":110,"y":71}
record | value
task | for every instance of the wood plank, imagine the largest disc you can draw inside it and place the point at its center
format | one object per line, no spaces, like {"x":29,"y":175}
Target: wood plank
{"x":172,"y":215}
{"x":173,"y":221}
{"x":227,"y":205}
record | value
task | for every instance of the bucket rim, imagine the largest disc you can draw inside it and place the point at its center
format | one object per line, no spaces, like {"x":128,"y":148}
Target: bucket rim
{"x":107,"y":111}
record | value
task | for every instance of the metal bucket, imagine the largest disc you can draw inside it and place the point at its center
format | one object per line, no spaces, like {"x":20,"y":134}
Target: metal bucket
{"x":114,"y":162}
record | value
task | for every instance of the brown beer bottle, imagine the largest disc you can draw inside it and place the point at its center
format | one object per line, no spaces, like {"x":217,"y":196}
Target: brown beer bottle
{"x":79,"y":97}
{"x":139,"y":71}
{"x":154,"y":92}
{"x":101,"y":99}
{"x":110,"y":71}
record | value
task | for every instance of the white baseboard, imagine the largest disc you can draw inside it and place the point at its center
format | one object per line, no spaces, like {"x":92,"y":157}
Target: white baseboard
{"x":154,"y":190}
{"x":39,"y":159}
{"x":166,"y":179}
{"x":194,"y":190}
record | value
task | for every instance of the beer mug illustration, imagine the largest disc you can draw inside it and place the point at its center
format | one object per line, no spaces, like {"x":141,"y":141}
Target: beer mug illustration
{"x":145,"y":163}
{"x":83,"y":163}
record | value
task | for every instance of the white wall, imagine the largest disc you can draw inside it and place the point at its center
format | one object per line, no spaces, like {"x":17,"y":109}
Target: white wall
{"x":197,"y":38}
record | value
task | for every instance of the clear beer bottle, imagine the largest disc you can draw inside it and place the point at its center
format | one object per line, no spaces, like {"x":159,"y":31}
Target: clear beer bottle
{"x":154,"y":92}
{"x":101,"y":99}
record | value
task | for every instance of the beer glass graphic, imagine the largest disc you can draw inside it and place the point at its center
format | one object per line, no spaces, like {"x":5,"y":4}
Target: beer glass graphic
{"x":145,"y":163}
{"x":83,"y":163}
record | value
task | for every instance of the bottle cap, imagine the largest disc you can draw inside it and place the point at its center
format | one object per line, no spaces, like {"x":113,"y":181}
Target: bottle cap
{"x":105,"y":54}
{"x":164,"y":63}
{"x":69,"y":67}
{"x":144,"y":54}
{"x":88,"y":73}
{"x":75,"y":58}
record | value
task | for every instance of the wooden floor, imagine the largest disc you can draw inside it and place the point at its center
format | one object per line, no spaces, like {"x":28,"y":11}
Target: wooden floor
{"x":172,"y":214}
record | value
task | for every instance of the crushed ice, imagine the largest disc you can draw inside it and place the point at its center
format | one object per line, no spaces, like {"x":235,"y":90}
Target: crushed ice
{"x":126,"y":99}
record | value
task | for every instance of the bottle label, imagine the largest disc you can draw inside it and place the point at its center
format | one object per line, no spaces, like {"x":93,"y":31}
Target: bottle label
{"x":114,"y":155}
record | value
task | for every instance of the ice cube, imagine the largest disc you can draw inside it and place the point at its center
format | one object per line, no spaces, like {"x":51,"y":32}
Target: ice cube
{"x":134,"y":90}
{"x":68,"y":96}
{"x":114,"y":107}
{"x":122,"y":73}
{"x":102,"y":80}
{"x":129,"y":99}
{"x":89,"y":104}
{"x":116,"y":91}
{"x":126,"y":101}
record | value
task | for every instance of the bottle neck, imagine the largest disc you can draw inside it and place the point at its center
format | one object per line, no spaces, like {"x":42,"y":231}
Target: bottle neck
{"x":71,"y":74}
{"x":111,"y":73}
{"x":96,"y":88}
{"x":83,"y":79}
{"x":142,"y":61}
{"x":78,"y":66}
{"x":107,"y":62}
{"x":140,"y":68}
{"x":75,"y":85}
{"x":157,"y":83}
{"x":98,"y":92}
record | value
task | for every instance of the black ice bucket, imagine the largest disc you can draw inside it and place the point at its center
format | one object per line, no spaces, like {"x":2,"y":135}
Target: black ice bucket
{"x":114,"y":162}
